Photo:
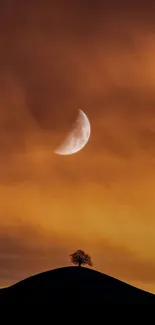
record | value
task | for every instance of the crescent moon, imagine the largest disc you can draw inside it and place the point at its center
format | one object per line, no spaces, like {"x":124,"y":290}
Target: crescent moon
{"x":77,"y":138}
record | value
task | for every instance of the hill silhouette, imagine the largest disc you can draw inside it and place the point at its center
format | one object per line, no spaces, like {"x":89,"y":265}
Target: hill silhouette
{"x":78,"y":285}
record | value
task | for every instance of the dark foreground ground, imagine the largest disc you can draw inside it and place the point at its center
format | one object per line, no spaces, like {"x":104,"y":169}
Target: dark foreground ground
{"x":74,"y":285}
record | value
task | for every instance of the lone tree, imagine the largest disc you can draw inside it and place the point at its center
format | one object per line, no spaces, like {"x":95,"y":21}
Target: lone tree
{"x":80,"y":257}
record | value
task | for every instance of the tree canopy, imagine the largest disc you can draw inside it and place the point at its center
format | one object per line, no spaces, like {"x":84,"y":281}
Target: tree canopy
{"x":80,"y":258}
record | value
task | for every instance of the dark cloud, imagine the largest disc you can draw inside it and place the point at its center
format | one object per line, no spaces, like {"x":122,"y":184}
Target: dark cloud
{"x":24,"y":250}
{"x":56,"y":54}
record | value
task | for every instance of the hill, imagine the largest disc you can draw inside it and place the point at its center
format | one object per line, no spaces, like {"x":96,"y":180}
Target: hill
{"x":74,"y":285}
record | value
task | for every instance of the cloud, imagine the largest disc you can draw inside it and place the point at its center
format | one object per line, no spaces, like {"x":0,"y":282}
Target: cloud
{"x":124,"y":263}
{"x":26,"y":250}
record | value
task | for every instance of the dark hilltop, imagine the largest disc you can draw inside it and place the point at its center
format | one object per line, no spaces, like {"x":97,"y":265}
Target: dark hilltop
{"x":74,"y":285}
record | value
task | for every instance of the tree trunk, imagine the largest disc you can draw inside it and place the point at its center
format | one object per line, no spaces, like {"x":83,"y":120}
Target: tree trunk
{"x":79,"y":264}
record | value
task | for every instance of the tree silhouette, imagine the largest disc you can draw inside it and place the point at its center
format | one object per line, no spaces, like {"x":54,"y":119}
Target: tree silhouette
{"x":80,"y":257}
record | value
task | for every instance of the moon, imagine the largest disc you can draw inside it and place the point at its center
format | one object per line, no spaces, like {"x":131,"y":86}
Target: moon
{"x":78,"y":136}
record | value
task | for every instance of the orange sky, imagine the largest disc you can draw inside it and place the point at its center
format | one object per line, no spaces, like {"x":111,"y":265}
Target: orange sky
{"x":55,"y":59}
